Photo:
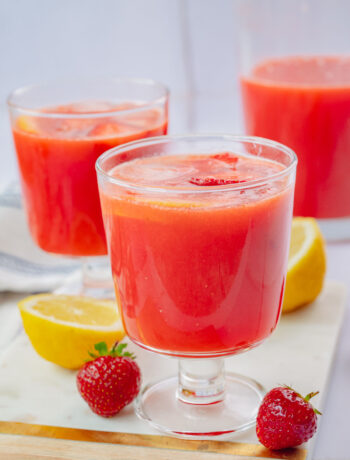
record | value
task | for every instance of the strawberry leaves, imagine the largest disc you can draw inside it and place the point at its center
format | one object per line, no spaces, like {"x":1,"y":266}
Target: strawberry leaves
{"x":117,"y":350}
{"x":306,"y":398}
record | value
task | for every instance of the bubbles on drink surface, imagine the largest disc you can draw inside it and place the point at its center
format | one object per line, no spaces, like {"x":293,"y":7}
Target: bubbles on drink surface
{"x":202,"y":172}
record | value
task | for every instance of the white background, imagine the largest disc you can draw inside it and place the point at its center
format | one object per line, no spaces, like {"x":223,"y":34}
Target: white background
{"x":188,"y":45}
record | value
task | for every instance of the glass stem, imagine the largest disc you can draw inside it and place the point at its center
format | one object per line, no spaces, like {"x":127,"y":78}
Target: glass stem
{"x":201,"y":381}
{"x":96,"y":274}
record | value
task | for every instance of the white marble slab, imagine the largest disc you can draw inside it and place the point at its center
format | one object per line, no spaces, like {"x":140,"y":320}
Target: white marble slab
{"x":299,"y":353}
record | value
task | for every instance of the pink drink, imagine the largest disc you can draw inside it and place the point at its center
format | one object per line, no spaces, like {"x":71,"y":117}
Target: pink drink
{"x":304,"y":102}
{"x":198,"y":274}
{"x":56,"y":157}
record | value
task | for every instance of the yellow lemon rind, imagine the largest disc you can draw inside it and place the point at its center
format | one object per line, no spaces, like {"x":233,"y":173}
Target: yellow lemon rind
{"x":64,"y":343}
{"x":306,"y":269}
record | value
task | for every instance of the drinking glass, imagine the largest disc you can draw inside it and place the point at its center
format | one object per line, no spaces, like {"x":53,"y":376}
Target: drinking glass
{"x":59,"y":131}
{"x":199,"y":270}
{"x":295,"y":85}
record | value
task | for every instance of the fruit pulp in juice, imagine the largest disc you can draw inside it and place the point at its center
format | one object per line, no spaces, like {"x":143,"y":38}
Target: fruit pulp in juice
{"x":304,"y":102}
{"x":56,"y":157}
{"x":198,"y":274}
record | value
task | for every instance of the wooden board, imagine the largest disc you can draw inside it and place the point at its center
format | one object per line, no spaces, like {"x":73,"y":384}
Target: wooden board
{"x":126,"y":445}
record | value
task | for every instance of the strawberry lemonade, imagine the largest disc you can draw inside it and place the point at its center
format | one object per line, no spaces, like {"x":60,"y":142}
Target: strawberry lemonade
{"x":56,"y":158}
{"x":198,"y":241}
{"x":59,"y":131}
{"x":304,"y":102}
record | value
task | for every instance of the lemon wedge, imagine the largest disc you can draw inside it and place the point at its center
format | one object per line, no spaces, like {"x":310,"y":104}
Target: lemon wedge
{"x":306,"y":264}
{"x":27,"y":124}
{"x":63,"y":329}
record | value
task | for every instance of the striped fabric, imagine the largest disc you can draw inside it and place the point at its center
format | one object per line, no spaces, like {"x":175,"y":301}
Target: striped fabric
{"x":23,"y":266}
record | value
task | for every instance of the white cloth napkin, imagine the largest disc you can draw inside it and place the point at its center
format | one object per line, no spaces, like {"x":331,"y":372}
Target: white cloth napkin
{"x":23,"y":266}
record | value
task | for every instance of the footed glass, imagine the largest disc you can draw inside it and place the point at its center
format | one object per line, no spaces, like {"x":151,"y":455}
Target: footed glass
{"x":198,"y":233}
{"x":59,"y":131}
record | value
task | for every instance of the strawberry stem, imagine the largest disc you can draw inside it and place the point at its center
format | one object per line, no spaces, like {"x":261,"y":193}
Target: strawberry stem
{"x":311,"y":395}
{"x":117,"y":350}
{"x":307,"y":398}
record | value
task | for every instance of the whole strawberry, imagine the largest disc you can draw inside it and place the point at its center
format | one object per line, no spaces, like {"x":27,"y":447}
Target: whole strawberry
{"x":285,"y":419}
{"x":110,"y":381}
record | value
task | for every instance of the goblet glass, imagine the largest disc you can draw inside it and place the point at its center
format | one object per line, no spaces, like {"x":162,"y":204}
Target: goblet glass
{"x":59,"y":131}
{"x":198,"y":232}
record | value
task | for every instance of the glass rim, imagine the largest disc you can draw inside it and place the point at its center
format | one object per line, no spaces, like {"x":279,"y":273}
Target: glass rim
{"x":331,"y":86}
{"x":210,"y":136}
{"x":137,"y":80}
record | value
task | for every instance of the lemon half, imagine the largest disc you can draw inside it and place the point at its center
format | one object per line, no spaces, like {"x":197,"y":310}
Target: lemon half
{"x":63,"y":329}
{"x":306,"y":264}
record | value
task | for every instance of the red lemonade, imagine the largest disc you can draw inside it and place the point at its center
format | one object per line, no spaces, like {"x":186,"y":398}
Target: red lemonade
{"x":198,"y":274}
{"x":304,"y":103}
{"x":57,"y":154}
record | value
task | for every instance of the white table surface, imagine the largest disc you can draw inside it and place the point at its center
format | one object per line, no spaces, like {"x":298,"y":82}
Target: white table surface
{"x":187,"y":44}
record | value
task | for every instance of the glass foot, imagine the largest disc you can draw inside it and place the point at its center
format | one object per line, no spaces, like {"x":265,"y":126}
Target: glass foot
{"x":160,"y":405}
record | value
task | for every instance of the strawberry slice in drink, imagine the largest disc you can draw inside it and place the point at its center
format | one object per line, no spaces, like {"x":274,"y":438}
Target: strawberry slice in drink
{"x":214,"y":181}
